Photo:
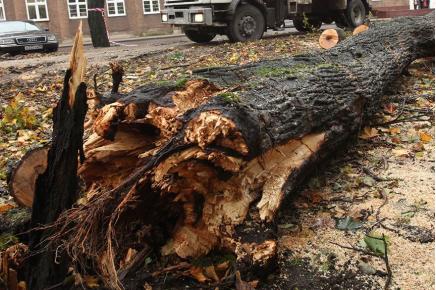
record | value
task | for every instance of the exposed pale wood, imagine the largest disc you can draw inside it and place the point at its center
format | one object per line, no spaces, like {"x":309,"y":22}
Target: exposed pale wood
{"x":360,"y":29}
{"x":23,"y":179}
{"x":331,"y":37}
{"x":78,"y":63}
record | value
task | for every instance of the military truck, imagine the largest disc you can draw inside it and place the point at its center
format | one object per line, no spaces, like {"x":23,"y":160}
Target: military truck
{"x":242,"y":20}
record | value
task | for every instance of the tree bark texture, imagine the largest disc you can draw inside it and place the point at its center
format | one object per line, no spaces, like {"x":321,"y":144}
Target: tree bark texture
{"x":192,"y":167}
{"x":97,"y":25}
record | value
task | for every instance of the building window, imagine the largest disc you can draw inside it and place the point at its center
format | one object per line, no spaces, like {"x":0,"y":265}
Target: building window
{"x":151,"y":6}
{"x":37,"y":10}
{"x":77,"y":9}
{"x":116,"y":8}
{"x":2,"y":11}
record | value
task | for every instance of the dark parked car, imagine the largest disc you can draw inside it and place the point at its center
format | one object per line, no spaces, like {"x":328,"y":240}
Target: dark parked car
{"x":22,"y":36}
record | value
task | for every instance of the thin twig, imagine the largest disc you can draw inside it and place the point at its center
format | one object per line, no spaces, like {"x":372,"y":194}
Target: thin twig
{"x":374,"y":176}
{"x":350,"y":247}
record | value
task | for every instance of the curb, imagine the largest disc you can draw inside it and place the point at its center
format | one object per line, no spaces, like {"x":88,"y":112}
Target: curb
{"x":89,"y":43}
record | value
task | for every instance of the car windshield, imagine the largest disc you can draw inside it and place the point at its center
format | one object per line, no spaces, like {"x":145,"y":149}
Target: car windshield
{"x":17,"y":26}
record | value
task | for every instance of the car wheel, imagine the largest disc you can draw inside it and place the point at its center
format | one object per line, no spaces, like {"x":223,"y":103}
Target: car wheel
{"x":199,"y":36}
{"x":356,"y":13}
{"x":248,"y":23}
{"x":309,"y":25}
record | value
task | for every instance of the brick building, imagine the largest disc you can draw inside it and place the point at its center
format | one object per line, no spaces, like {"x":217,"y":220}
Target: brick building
{"x":137,"y":17}
{"x":134,"y":17}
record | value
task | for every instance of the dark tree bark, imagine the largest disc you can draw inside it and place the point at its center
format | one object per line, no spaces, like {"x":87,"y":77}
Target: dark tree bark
{"x":97,"y":26}
{"x":189,"y":162}
{"x":57,"y":188}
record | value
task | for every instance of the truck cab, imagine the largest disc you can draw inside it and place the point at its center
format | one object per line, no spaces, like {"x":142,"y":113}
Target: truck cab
{"x":242,"y":20}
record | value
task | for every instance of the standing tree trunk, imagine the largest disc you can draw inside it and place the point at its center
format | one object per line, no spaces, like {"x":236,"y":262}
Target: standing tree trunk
{"x":97,"y":26}
{"x":57,"y":188}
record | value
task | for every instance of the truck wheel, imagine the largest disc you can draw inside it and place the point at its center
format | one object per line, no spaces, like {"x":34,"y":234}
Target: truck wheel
{"x":356,"y":13}
{"x":310,"y":25}
{"x":199,"y":36}
{"x":248,"y":23}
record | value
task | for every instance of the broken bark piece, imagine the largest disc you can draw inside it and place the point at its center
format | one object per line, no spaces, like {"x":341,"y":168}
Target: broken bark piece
{"x":331,"y":37}
{"x":117,"y":76}
{"x":222,"y":155}
{"x":23,"y":178}
{"x":360,"y":29}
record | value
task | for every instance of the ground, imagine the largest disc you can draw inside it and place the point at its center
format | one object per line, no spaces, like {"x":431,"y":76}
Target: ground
{"x":382,"y":183}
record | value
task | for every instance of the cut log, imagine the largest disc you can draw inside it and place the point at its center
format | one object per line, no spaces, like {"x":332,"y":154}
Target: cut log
{"x":57,"y":187}
{"x":360,"y":29}
{"x":23,"y":178}
{"x":184,"y":170}
{"x":331,"y":37}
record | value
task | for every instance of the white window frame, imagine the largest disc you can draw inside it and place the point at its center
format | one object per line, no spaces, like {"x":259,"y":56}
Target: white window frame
{"x":2,"y":8}
{"x":151,"y":6}
{"x":115,"y":2}
{"x":77,"y":4}
{"x":36,"y":4}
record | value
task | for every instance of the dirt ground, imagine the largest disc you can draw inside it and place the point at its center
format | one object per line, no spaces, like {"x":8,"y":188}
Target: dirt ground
{"x":382,"y":183}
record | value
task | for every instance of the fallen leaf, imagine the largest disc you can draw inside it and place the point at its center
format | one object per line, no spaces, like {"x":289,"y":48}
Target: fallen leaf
{"x":242,"y":285}
{"x":375,"y":244}
{"x":400,"y":152}
{"x":91,"y":281}
{"x":390,"y":108}
{"x":368,"y":133}
{"x":368,"y":181}
{"x":5,"y":207}
{"x":394,"y":131}
{"x":418,"y":147}
{"x":425,"y":137}
{"x":197,"y":274}
{"x":348,"y":224}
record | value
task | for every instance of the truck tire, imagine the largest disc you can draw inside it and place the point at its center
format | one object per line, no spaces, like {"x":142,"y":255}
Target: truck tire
{"x":199,"y":36}
{"x":356,"y":13}
{"x":247,"y":23}
{"x":312,"y":24}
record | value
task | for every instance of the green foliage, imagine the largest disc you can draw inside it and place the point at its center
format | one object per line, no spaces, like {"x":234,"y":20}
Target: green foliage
{"x":297,"y":261}
{"x":181,"y":82}
{"x":230,"y":97}
{"x":267,"y":71}
{"x":374,"y":242}
{"x":177,"y":56}
{"x":297,"y":70}
{"x":16,"y":116}
{"x":7,"y":240}
{"x":307,"y":25}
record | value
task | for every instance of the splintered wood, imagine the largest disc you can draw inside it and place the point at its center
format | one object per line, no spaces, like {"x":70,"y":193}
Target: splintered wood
{"x":78,"y":64}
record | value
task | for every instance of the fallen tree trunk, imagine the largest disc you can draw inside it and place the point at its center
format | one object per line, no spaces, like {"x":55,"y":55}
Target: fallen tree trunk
{"x":186,"y":168}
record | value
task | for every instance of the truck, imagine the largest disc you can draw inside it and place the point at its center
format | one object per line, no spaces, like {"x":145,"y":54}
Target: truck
{"x":243,"y":20}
